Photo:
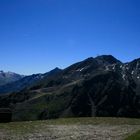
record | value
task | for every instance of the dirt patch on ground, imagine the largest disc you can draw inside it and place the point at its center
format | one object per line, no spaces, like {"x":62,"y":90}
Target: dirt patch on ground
{"x":73,"y":132}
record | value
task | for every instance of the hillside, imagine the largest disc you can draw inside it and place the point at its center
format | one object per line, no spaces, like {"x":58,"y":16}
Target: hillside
{"x":101,"y":86}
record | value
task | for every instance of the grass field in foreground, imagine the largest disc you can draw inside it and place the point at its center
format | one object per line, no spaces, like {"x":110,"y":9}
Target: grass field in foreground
{"x":135,"y":136}
{"x":29,"y":125}
{"x":13,"y":130}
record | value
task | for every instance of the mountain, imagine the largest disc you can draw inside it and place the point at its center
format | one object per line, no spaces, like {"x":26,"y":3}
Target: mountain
{"x":101,"y":86}
{"x":8,"y":77}
{"x":25,"y":82}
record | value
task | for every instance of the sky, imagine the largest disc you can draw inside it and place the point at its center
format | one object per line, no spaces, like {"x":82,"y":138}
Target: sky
{"x":39,"y":35}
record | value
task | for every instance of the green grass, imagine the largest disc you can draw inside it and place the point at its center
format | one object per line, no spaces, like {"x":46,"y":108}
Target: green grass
{"x":80,"y":121}
{"x":94,"y":121}
{"x":135,"y":136}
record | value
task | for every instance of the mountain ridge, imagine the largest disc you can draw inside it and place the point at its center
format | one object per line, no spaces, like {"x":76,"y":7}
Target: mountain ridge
{"x":8,"y":77}
{"x":101,"y":86}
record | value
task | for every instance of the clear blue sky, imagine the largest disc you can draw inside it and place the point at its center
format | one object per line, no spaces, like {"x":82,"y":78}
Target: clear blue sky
{"x":38,"y":35}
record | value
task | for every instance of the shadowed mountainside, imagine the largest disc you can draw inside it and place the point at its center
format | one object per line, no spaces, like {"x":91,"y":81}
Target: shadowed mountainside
{"x":101,"y":86}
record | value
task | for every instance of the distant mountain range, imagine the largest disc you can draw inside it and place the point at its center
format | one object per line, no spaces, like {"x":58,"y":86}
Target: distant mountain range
{"x":8,"y":77}
{"x":101,"y":86}
{"x":25,"y":82}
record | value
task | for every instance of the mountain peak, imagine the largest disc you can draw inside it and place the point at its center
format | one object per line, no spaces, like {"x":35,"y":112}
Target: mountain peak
{"x":105,"y":56}
{"x":8,"y":77}
{"x":109,"y":58}
{"x":56,"y":69}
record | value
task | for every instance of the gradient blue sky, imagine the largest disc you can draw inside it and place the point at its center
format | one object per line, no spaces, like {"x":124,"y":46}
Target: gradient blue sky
{"x":38,"y":35}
